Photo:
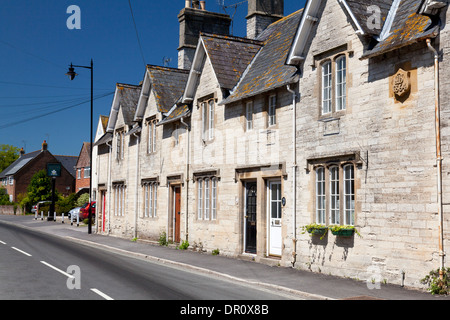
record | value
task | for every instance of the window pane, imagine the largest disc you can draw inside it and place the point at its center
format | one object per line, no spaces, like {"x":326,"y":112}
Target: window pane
{"x":326,"y":88}
{"x":320,"y":196}
{"x":211,"y":119}
{"x":200,"y":201}
{"x":207,"y":199}
{"x":214,"y":197}
{"x":146,"y":200}
{"x":155,"y":188}
{"x":349,"y":195}
{"x":272,"y":110}
{"x":249,"y":116}
{"x":334,"y":195}
{"x":341,"y":83}
{"x":275,"y":200}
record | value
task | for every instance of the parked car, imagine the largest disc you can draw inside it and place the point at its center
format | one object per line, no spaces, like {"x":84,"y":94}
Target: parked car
{"x":73,"y":214}
{"x":84,"y":211}
{"x":35,"y":208}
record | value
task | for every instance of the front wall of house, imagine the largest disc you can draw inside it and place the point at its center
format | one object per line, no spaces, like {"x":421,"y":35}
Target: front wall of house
{"x":123,"y":176}
{"x":261,"y":155}
{"x":206,"y":156}
{"x":395,"y":179}
{"x":151,"y":163}
{"x":443,"y":46}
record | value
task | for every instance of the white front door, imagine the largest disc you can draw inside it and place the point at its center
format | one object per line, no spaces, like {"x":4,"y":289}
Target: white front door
{"x":274,"y":210}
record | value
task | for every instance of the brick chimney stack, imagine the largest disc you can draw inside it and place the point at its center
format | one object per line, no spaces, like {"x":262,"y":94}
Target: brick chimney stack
{"x":44,"y":146}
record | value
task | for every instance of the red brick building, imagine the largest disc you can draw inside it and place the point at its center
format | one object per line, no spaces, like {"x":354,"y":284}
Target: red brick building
{"x":16,"y":178}
{"x":83,"y":169}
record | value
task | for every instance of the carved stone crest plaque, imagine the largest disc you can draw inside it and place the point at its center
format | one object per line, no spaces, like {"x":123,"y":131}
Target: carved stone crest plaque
{"x":401,"y":83}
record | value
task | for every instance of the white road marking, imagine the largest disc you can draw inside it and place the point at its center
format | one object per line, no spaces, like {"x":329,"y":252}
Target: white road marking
{"x":101,"y":294}
{"x":2,"y":242}
{"x":23,"y":252}
{"x":56,"y":269}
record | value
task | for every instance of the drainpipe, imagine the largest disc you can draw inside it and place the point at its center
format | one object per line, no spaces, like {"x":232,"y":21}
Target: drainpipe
{"x":109,"y":188}
{"x":294,"y":173}
{"x":136,"y":209}
{"x":186,"y":225}
{"x":438,"y":157}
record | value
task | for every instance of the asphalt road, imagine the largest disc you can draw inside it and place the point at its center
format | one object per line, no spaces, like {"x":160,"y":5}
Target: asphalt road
{"x":38,"y":266}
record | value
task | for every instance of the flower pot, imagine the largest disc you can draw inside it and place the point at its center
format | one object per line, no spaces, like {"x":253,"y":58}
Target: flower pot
{"x":319,"y":231}
{"x":344,"y":232}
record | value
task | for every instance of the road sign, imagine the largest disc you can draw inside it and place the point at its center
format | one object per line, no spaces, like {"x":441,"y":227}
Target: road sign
{"x":54,"y":169}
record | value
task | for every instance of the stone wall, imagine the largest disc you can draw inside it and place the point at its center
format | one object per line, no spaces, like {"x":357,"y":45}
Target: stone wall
{"x":395,"y":180}
{"x":7,"y":210}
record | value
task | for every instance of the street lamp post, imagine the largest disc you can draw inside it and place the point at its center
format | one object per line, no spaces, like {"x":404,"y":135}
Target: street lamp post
{"x":71,"y":74}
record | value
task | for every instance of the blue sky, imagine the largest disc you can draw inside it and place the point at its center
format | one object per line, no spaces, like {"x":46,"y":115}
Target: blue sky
{"x":38,"y":102}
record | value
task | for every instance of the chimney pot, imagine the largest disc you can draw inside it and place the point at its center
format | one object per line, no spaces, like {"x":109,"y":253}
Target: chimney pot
{"x":187,"y":4}
{"x":44,"y":145}
{"x":203,"y":5}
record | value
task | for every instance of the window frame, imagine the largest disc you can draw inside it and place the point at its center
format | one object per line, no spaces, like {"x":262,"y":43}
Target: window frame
{"x":85,"y":171}
{"x":119,"y":200}
{"x":120,"y":144}
{"x":207,"y":198}
{"x":334,"y":210}
{"x":208,"y":112}
{"x":329,"y":88}
{"x":272,"y":111}
{"x":334,"y":102}
{"x":249,"y":116}
{"x":150,"y":199}
{"x":151,"y":138}
{"x":340,"y":87}
{"x":320,"y":209}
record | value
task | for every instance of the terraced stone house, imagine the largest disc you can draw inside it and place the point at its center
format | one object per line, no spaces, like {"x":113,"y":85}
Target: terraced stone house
{"x":333,"y":115}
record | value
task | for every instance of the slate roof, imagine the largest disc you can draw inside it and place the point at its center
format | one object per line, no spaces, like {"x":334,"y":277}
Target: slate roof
{"x":360,"y":10}
{"x":129,"y":96}
{"x":68,"y":162}
{"x":180,"y":111}
{"x":268,"y":70}
{"x":19,"y":164}
{"x":168,"y":85}
{"x":229,"y":56}
{"x":408,"y":27}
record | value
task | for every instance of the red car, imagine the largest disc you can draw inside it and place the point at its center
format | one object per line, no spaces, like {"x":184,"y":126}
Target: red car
{"x":84,"y":211}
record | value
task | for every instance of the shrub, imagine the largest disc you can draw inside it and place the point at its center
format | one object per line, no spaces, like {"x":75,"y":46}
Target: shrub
{"x":163,"y":239}
{"x":184,"y":245}
{"x":436,"y":285}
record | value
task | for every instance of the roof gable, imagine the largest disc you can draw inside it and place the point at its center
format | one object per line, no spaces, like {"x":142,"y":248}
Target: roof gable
{"x":405,"y":27}
{"x":268,"y":70}
{"x":167,"y":86}
{"x":126,"y":97}
{"x":401,"y":24}
{"x":229,"y":57}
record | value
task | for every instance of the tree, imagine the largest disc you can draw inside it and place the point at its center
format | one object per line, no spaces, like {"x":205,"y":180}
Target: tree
{"x":39,"y":189}
{"x":8,"y":154}
{"x":4,"y":197}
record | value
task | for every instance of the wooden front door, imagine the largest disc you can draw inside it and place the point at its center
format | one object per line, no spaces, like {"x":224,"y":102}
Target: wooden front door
{"x":176,"y":212}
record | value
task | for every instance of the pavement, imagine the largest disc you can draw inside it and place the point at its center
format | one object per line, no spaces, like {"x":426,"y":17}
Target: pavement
{"x":302,"y":284}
